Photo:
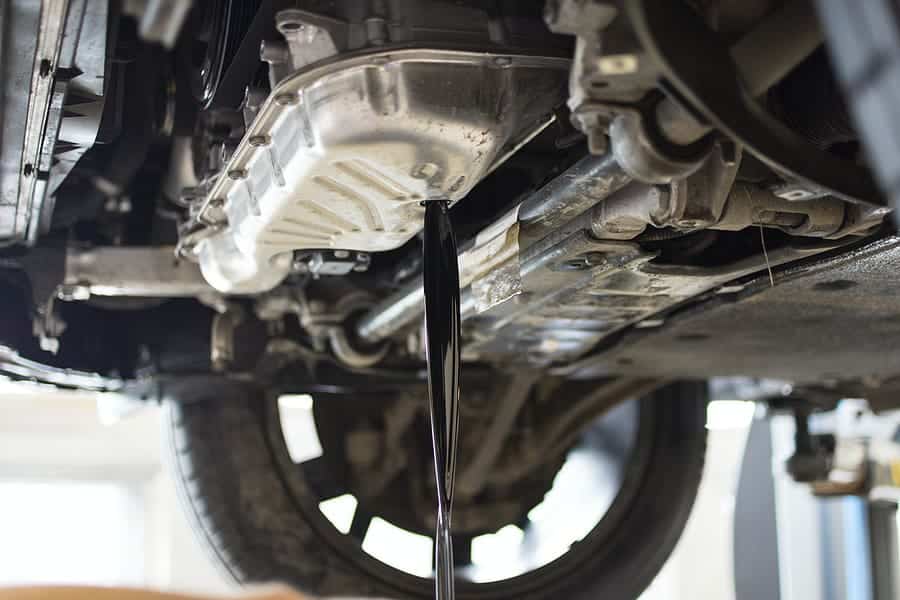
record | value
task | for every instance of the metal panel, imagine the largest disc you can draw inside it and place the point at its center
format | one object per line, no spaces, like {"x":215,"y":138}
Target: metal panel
{"x":828,"y":320}
{"x":150,"y":272}
{"x":40,"y":40}
{"x":18,"y":35}
{"x":343,"y":154}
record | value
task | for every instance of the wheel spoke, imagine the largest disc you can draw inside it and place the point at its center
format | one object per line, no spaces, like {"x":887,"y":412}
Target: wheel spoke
{"x":462,"y":551}
{"x":318,"y":474}
{"x":362,"y":520}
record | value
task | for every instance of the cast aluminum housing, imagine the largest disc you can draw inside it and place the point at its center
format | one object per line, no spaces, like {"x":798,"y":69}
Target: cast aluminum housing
{"x":343,"y":153}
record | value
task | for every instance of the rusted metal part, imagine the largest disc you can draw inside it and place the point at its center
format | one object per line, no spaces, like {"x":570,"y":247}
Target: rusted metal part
{"x":582,"y":186}
{"x":559,"y":202}
{"x":625,"y":287}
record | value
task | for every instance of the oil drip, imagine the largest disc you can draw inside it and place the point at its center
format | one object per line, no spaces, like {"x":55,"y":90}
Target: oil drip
{"x":441,"y":282}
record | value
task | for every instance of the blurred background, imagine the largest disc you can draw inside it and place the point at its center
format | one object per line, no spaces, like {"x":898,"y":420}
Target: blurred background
{"x":85,"y":498}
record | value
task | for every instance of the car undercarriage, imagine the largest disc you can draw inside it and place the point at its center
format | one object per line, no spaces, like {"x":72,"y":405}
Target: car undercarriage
{"x":229,"y":195}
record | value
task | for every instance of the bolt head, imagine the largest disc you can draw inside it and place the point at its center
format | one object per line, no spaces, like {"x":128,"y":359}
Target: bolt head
{"x":287,"y":99}
{"x":73,"y":292}
{"x":427,"y":170}
{"x":618,"y":64}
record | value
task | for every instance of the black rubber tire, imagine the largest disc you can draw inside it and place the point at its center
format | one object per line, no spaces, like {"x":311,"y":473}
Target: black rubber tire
{"x":254,"y":518}
{"x":864,"y":43}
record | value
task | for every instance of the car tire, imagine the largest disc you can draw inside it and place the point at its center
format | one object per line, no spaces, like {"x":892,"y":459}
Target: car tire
{"x":228,"y":462}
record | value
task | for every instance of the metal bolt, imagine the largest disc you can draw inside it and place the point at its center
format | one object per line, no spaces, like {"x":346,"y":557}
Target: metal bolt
{"x":73,"y":292}
{"x":259,"y":141}
{"x":341,"y":254}
{"x":618,"y":64}
{"x":502,"y":61}
{"x":425,"y":170}
{"x":237,"y":174}
{"x":793,"y":192}
{"x":689,"y":223}
{"x":363,"y":259}
{"x":287,"y":99}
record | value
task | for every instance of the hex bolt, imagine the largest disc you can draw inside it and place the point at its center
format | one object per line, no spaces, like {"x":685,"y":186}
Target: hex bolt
{"x":70,"y":292}
{"x":287,"y":99}
{"x":426,"y":170}
{"x":618,"y":64}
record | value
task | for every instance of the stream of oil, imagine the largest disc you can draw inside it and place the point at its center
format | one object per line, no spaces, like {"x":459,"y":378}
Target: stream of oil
{"x":441,"y":280}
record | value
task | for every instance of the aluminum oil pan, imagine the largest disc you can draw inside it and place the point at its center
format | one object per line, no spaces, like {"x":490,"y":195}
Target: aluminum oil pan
{"x":342,"y":154}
